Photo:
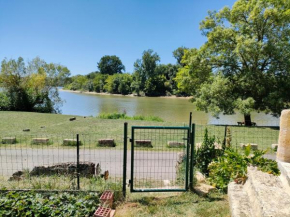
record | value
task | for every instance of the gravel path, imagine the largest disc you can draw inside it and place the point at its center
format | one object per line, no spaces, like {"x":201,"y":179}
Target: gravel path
{"x":150,"y":164}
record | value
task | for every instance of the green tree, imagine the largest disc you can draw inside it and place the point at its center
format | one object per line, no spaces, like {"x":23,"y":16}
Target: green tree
{"x":146,"y":67}
{"x":32,"y":87}
{"x":169,"y":71}
{"x":248,"y":47}
{"x":110,"y":65}
{"x":119,"y":84}
{"x":155,"y":86}
{"x":178,"y":54}
{"x":99,"y":82}
{"x":195,"y":71}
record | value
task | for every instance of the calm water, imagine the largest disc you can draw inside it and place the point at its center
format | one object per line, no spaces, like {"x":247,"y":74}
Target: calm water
{"x":170,"y":109}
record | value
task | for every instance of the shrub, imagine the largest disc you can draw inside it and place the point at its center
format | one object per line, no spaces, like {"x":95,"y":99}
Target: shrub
{"x":126,"y":117}
{"x":233,"y":166}
{"x":206,"y":153}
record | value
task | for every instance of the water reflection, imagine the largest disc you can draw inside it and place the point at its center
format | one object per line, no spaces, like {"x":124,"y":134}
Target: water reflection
{"x":170,"y":109}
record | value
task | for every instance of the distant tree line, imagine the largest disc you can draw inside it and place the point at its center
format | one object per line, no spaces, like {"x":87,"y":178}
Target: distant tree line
{"x":150,"y":78}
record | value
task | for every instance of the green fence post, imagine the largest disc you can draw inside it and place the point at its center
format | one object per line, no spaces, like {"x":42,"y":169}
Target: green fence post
{"x":125,"y":158}
{"x":78,"y":162}
{"x":225,"y":136}
{"x":132,"y":160}
{"x":191,"y":171}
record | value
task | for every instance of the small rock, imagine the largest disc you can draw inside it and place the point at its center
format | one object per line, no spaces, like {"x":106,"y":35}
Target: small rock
{"x":166,"y":183}
{"x":26,"y":130}
{"x":274,"y":146}
{"x":200,"y":177}
{"x":203,"y":189}
{"x":253,"y":146}
{"x":72,"y":119}
{"x":42,"y":127}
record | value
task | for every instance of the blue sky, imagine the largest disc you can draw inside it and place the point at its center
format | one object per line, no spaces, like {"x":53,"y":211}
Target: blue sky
{"x":77,"y":33}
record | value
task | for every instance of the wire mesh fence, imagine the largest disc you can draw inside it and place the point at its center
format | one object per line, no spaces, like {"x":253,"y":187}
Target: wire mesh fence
{"x":159,"y":158}
{"x":47,"y":160}
{"x":259,"y":137}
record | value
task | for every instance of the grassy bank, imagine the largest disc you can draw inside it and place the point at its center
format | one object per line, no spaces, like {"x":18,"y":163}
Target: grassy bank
{"x":58,"y":127}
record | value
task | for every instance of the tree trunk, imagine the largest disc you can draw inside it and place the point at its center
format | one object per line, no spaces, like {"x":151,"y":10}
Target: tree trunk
{"x":247,"y":120}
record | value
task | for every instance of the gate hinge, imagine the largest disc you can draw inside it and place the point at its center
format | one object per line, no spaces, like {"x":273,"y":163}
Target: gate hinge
{"x":130,"y":140}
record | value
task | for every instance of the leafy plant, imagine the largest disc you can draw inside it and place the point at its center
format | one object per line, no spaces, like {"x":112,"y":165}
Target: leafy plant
{"x":233,"y":166}
{"x":206,"y":153}
{"x":36,"y":204}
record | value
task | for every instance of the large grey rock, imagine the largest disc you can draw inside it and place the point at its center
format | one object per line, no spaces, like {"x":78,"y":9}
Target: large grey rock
{"x":86,"y":169}
{"x":266,"y":194}
{"x":263,"y":195}
{"x":203,"y":189}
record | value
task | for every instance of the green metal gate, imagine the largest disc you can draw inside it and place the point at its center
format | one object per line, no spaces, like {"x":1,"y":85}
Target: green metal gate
{"x":160,"y":158}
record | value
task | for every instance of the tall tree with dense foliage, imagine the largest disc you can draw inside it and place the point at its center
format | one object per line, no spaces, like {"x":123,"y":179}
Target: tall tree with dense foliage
{"x":248,"y":50}
{"x":178,"y":54}
{"x":31,"y":87}
{"x":110,"y":65}
{"x":145,"y":68}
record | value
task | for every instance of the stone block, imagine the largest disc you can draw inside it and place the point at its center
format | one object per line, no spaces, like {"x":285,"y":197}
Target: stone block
{"x":143,"y":143}
{"x":40,"y":141}
{"x":175,"y":144}
{"x":71,"y":142}
{"x":216,"y":145}
{"x":253,"y":146}
{"x":106,"y":142}
{"x":283,"y":151}
{"x":8,"y":140}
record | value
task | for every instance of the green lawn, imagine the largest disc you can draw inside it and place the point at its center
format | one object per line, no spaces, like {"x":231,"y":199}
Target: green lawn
{"x":173,"y":204}
{"x":57,"y":127}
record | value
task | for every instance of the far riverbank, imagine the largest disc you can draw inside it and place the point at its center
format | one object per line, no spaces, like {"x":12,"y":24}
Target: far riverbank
{"x":129,"y":95}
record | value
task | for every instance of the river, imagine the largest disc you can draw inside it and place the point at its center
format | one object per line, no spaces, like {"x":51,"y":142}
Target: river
{"x":170,"y":109}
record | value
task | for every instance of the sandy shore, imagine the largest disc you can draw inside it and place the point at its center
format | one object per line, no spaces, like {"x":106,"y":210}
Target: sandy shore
{"x":129,"y":95}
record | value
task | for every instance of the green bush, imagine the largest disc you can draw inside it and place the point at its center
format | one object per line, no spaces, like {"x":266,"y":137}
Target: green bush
{"x":53,"y":204}
{"x":126,"y":117}
{"x":233,"y":166}
{"x":206,"y":153}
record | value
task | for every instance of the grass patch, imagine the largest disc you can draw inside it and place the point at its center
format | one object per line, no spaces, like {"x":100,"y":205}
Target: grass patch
{"x":57,"y":127}
{"x":126,"y":117}
{"x":173,"y":204}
